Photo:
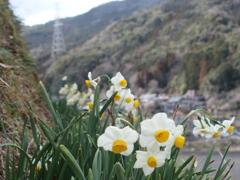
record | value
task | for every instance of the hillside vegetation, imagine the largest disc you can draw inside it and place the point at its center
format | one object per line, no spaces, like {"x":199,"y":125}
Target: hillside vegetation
{"x":176,"y":46}
{"x":19,"y":90}
{"x":80,"y":28}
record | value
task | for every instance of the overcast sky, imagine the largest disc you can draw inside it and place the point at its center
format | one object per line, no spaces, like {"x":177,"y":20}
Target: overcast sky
{"x":41,"y":11}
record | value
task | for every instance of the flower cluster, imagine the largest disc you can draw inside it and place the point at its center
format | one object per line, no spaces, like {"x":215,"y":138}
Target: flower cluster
{"x":124,"y":98}
{"x":157,"y":132}
{"x":159,"y":135}
{"x":203,"y":126}
{"x":73,"y":95}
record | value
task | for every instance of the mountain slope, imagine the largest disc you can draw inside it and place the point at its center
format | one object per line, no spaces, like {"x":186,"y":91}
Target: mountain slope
{"x":80,"y":28}
{"x":176,"y":46}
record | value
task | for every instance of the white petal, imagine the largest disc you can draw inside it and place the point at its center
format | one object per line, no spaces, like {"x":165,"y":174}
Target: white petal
{"x":208,"y":135}
{"x":102,"y":140}
{"x":148,"y":128}
{"x":162,"y":122}
{"x":129,"y":135}
{"x":197,"y":123}
{"x":94,"y":84}
{"x":90,"y":76}
{"x":196,"y":130}
{"x":153,"y":149}
{"x":178,"y":130}
{"x":161,"y":156}
{"x":128,"y":151}
{"x":146,"y":141}
{"x":140,"y":163}
{"x":113,"y":133}
{"x":142,"y":155}
{"x":147,"y":170}
{"x":159,"y":116}
{"x":108,"y":146}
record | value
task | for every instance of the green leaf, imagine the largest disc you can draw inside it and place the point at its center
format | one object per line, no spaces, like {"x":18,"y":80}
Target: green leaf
{"x":48,"y":135}
{"x":33,"y":128}
{"x":8,"y":177}
{"x":90,"y":174}
{"x":97,"y":164}
{"x":119,"y":171}
{"x":56,"y":119}
{"x":205,"y":166}
{"x":24,"y":145}
{"x":107,"y":103}
{"x":72,"y":162}
{"x":220,"y":169}
{"x":183,"y":166}
{"x":13,"y":145}
{"x":127,"y":123}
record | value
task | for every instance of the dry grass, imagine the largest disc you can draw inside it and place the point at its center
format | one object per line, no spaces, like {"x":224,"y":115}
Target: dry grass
{"x":19,"y":88}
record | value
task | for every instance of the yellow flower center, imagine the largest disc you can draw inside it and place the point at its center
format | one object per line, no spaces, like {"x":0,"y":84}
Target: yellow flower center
{"x":135,"y":103}
{"x":123,"y":83}
{"x":203,"y":131}
{"x":162,"y":135}
{"x":102,"y":116}
{"x":134,"y":119}
{"x":152,"y":162}
{"x":230,"y":129}
{"x":119,"y":146}
{"x":90,"y":105}
{"x":37,"y":169}
{"x":117,"y":97}
{"x":88,"y":83}
{"x":216,"y":134}
{"x":179,"y":141}
{"x":128,"y":100}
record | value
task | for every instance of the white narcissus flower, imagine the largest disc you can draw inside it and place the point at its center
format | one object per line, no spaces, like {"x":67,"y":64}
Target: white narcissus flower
{"x":128,"y":98}
{"x":228,"y":128}
{"x":119,"y":96}
{"x":212,"y":131}
{"x":119,"y":141}
{"x":90,"y":104}
{"x":156,"y":131}
{"x":118,"y":81}
{"x":149,"y":160}
{"x":133,"y":108}
{"x":201,"y":126}
{"x":73,"y":89}
{"x":64,"y":90}
{"x":90,"y":82}
{"x":209,"y":130}
{"x":178,"y":140}
{"x":64,"y":78}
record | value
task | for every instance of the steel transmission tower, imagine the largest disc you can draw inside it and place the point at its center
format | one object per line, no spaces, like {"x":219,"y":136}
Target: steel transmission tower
{"x":58,"y":44}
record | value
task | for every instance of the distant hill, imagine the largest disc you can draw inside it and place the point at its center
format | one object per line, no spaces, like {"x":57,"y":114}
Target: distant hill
{"x":171,"y":48}
{"x":80,"y":28}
